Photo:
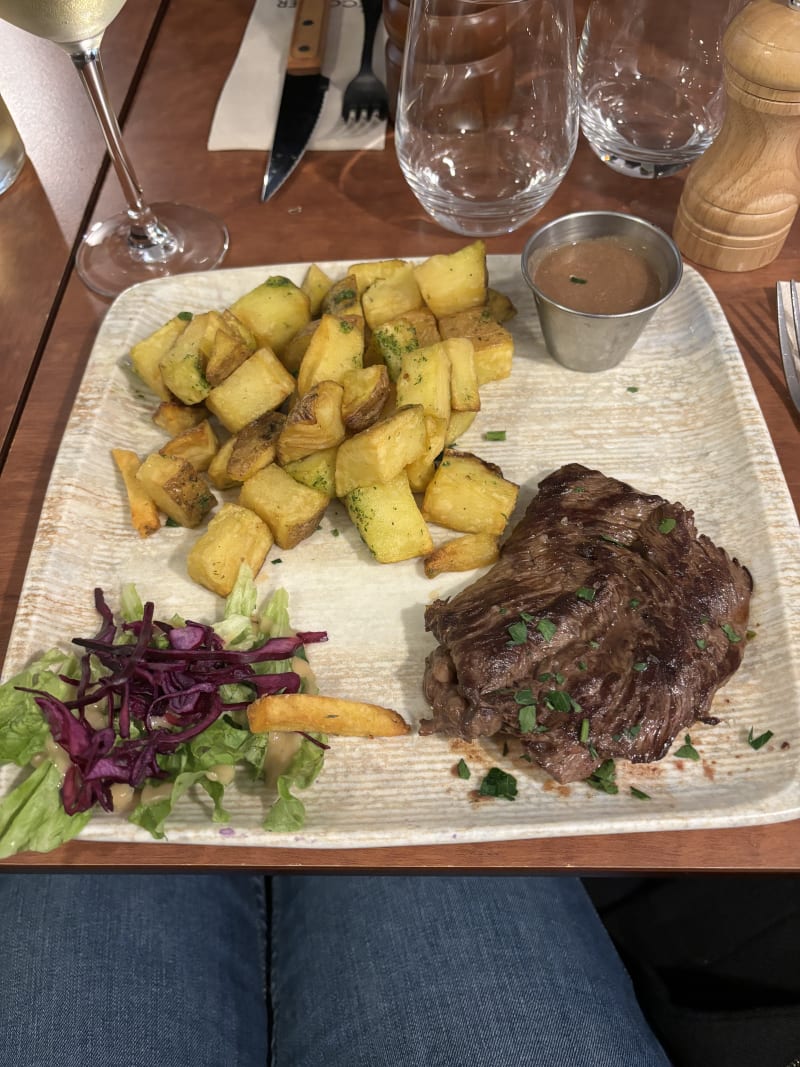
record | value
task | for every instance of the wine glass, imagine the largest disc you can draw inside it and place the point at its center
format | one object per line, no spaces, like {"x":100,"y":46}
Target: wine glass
{"x":487,"y":117}
{"x":145,"y":241}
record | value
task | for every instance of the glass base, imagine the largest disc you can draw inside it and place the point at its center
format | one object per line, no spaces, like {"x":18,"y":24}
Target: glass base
{"x":639,"y":168}
{"x":110,"y":259}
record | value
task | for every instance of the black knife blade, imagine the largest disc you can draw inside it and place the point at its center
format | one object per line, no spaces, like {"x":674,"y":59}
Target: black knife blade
{"x":304,"y":88}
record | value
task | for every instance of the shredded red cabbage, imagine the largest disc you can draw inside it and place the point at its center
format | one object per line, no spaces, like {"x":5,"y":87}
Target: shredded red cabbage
{"x":163,"y":695}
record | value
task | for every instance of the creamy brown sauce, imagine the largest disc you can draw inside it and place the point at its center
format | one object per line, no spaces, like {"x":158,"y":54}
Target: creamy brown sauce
{"x":601,"y":275}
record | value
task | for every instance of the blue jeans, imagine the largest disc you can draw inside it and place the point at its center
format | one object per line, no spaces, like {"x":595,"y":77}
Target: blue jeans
{"x":236,"y":970}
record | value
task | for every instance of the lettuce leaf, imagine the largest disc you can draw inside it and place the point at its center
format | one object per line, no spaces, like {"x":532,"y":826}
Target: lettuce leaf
{"x":32,"y":817}
{"x":23,"y":729}
{"x":288,"y":812}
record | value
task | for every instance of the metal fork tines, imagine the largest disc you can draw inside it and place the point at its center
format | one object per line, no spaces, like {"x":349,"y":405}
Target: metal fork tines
{"x":365,"y":97}
{"x":789,"y":336}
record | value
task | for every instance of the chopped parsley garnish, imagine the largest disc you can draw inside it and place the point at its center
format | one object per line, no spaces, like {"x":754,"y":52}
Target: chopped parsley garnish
{"x":581,"y":665}
{"x":558,"y":700}
{"x":576,"y":280}
{"x":632,"y":389}
{"x":758,"y":742}
{"x":527,"y":718}
{"x":594,"y":644}
{"x":171,"y":522}
{"x":640,"y":666}
{"x":667,"y":525}
{"x":639,"y":794}
{"x":611,"y":540}
{"x":334,"y":532}
{"x":586,"y":593}
{"x":546,"y":628}
{"x":518,"y":632}
{"x":584,"y":734}
{"x":730,"y":633}
{"x":498,"y":783}
{"x":185,"y":316}
{"x":524,"y":696}
{"x":462,"y":770}
{"x":604,"y":778}
{"x":274,"y":561}
{"x":701,"y":643}
{"x":633,"y":603}
{"x":687,"y":750}
{"x":495,"y":435}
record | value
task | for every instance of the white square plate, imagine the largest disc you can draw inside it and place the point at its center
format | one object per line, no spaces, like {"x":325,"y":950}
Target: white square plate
{"x":678,"y":417}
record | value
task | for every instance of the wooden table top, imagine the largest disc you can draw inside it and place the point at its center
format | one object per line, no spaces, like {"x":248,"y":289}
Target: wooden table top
{"x":168,"y":62}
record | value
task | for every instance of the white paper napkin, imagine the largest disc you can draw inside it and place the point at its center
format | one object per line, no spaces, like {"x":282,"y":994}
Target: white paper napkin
{"x":247,"y":109}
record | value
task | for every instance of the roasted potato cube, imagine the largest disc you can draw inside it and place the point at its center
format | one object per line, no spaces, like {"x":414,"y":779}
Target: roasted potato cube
{"x":389,"y":343}
{"x":499,"y":305}
{"x":421,"y":470}
{"x":235,"y":535}
{"x":389,"y":298}
{"x":274,"y":311}
{"x":316,"y":285}
{"x":365,"y":393}
{"x":492,"y":343}
{"x":382,"y":451}
{"x":144,"y":513}
{"x":425,"y":325}
{"x":336,"y":347}
{"x":227,"y":353}
{"x":425,"y":380}
{"x":255,"y":446}
{"x":366,"y":274}
{"x":183,"y":365}
{"x":175,"y":417}
{"x":217,"y":471}
{"x":453,"y":282}
{"x":464,"y":392}
{"x":469,"y":494}
{"x":261,"y":384}
{"x":318,"y":471}
{"x":458,"y":424}
{"x":314,"y":423}
{"x":236,"y":328}
{"x":198,"y":445}
{"x":176,"y":488}
{"x":388,"y":519}
{"x":146,"y":355}
{"x":291,"y":510}
{"x":292,"y":355}
{"x":343,"y":298}
{"x":464,"y":553}
{"x":312,"y":713}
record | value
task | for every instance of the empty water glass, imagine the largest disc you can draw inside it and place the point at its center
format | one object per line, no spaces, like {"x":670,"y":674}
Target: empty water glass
{"x":486,"y":123}
{"x":650,"y":74}
{"x":12,"y":152}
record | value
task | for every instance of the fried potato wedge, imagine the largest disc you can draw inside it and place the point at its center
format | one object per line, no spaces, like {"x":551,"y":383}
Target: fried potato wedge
{"x":311,"y":713}
{"x":144,"y":513}
{"x":463,"y":553}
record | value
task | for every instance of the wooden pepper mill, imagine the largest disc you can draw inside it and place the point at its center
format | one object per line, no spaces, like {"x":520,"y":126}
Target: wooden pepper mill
{"x":742,"y":195}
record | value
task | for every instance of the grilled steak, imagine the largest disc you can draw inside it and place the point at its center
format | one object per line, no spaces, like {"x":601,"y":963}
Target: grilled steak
{"x":607,"y":621}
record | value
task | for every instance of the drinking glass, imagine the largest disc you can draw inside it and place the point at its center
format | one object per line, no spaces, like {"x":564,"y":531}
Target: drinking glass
{"x":145,"y":241}
{"x":487,"y":120}
{"x":650,"y":74}
{"x":12,"y":151}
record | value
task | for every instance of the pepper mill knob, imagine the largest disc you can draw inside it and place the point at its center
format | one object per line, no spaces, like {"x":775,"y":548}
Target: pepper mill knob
{"x":741,"y":196}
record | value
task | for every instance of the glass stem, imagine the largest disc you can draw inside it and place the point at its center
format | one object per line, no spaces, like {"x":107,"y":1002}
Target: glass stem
{"x":145,"y":230}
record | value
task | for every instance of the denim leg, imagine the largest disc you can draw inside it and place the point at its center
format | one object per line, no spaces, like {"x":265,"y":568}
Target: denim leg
{"x":427,"y":971}
{"x":131,"y":970}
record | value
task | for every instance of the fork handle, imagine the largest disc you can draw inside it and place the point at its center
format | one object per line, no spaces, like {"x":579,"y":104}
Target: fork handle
{"x":307,"y":46}
{"x":372,"y":10}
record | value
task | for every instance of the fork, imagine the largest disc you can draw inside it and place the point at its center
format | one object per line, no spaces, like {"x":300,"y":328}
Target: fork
{"x":365,"y":96}
{"x":789,"y":336}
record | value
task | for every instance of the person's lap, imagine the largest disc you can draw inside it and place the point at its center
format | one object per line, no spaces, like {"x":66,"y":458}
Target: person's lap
{"x":362,"y":970}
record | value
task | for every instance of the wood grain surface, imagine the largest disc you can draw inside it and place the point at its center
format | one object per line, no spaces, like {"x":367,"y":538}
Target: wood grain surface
{"x":337,"y":205}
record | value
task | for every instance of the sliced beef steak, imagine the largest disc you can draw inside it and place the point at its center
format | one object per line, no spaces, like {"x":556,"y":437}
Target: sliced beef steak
{"x":607,"y":618}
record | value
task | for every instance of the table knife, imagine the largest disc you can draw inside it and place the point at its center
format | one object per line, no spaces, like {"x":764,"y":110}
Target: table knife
{"x":304,"y":89}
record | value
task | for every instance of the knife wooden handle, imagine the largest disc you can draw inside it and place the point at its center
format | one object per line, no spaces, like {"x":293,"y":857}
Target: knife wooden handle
{"x":307,"y":46}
